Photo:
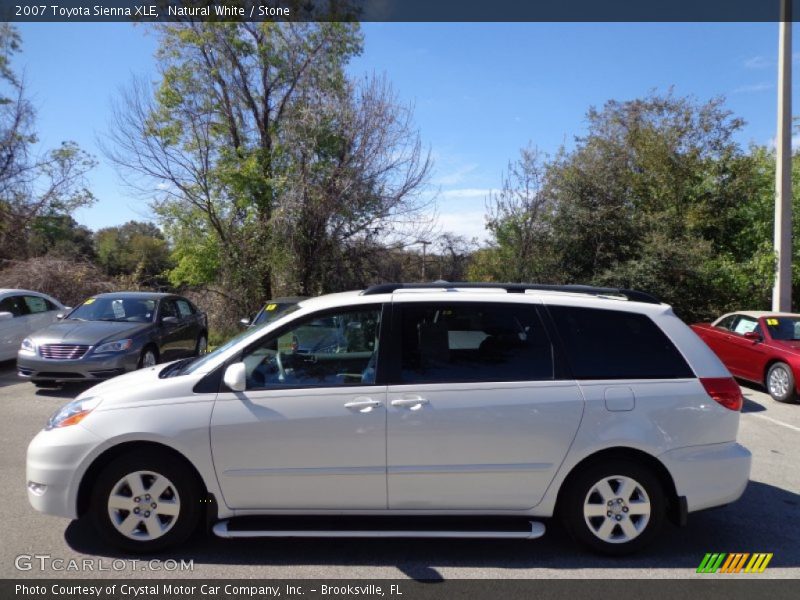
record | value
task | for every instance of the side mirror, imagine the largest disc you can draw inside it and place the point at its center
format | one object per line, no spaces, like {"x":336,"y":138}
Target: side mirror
{"x":170,"y":320}
{"x":235,"y":377}
{"x":244,"y":322}
{"x":5,"y":316}
{"x":753,"y":336}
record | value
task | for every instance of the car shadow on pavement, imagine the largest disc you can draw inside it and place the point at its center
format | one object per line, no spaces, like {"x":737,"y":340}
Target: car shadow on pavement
{"x":751,"y":406}
{"x":67,"y":391}
{"x":763,"y":520}
{"x":8,"y":373}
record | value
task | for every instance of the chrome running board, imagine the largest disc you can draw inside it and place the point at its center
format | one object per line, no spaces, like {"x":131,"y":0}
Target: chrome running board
{"x":533,"y":530}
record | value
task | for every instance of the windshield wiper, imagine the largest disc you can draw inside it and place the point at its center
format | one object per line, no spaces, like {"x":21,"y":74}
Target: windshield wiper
{"x":176,"y":368}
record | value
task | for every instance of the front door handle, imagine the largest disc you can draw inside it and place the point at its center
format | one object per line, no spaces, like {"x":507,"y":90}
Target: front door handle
{"x":363,"y":405}
{"x":410,"y":402}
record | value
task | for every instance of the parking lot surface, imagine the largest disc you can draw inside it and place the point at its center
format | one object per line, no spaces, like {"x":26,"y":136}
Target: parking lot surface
{"x":766,"y":519}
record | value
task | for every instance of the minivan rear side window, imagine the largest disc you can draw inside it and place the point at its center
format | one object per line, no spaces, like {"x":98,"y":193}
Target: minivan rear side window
{"x":467,"y":342}
{"x":610,"y":344}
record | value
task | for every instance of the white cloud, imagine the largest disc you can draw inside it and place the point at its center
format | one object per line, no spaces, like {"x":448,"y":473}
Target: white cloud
{"x":758,"y":62}
{"x":457,"y":176}
{"x":466,"y":193}
{"x":470,"y":224}
{"x":754,"y":88}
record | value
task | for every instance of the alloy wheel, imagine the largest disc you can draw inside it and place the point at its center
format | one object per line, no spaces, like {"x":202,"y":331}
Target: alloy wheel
{"x":617,"y":509}
{"x":143,"y":505}
{"x":778,"y":382}
{"x":149,"y":359}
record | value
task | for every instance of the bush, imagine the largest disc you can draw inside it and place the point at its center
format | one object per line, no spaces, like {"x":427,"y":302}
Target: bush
{"x":68,"y":281}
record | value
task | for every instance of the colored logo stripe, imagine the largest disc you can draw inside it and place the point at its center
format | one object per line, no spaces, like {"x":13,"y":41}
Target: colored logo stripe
{"x":758,"y":563}
{"x":733,"y":563}
{"x":711,"y":563}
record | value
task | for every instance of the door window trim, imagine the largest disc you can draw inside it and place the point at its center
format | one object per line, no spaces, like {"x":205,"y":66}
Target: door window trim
{"x":384,"y":342}
{"x":395,"y":359}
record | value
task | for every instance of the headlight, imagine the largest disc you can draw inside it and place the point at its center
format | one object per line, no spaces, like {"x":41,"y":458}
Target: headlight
{"x":74,"y":412}
{"x":117,"y":346}
{"x":28,"y":346}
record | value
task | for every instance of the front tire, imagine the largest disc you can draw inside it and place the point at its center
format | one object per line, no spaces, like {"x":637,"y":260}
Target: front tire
{"x":145,"y":502}
{"x":613,"y":507}
{"x":149,"y":358}
{"x":780,"y":383}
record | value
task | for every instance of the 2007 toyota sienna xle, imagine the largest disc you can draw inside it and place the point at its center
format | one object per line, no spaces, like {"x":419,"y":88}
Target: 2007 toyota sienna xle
{"x":439,"y":410}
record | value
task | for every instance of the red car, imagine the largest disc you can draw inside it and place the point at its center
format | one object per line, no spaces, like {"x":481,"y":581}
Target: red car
{"x":759,"y":346}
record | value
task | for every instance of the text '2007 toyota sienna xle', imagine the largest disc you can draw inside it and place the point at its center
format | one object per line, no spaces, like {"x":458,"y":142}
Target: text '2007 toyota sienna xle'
{"x":436,"y":410}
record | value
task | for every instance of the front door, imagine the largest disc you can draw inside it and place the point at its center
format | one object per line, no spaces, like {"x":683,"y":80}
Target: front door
{"x":309,"y":432}
{"x":477,"y":419}
{"x":746,"y":358}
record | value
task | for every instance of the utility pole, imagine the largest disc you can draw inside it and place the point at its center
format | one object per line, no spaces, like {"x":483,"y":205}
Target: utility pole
{"x":424,"y":255}
{"x":782,"y":292}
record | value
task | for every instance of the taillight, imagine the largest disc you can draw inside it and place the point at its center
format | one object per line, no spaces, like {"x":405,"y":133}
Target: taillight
{"x":724,"y":390}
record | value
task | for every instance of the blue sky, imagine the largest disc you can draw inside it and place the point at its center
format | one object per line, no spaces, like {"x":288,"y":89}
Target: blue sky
{"x":480,"y":91}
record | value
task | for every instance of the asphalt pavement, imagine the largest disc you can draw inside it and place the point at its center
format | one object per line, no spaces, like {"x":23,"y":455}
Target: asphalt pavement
{"x":765,"y":519}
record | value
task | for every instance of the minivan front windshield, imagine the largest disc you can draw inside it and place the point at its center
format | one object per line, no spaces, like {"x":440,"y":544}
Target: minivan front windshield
{"x":195,"y":364}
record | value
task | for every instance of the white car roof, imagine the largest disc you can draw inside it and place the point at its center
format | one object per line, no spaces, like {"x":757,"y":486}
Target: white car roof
{"x":757,"y":314}
{"x":477,"y":294}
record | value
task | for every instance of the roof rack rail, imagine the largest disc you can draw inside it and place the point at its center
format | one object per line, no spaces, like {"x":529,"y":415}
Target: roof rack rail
{"x":633,"y":295}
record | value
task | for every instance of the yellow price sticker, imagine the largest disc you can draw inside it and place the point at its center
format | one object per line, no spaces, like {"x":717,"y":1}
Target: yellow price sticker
{"x":271,"y":306}
{"x":772,"y":322}
{"x":89,"y":301}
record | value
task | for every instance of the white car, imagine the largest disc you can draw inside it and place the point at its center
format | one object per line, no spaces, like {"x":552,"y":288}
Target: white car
{"x":21,"y":313}
{"x":451,"y":410}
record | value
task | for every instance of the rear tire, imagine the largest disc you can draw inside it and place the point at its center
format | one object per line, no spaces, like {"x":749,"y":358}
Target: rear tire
{"x":613,"y":507}
{"x":145,"y":501}
{"x":780,"y":383}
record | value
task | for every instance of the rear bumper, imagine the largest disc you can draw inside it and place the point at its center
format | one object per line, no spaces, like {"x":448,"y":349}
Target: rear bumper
{"x":91,"y":367}
{"x":710,"y":475}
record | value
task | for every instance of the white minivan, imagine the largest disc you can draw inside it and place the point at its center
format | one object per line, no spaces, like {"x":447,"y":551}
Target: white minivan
{"x":439,"y":410}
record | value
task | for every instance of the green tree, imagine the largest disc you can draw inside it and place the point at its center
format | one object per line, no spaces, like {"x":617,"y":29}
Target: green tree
{"x":32,"y":185}
{"x":653,"y":196}
{"x":135,"y":249}
{"x":60,"y":236}
{"x":269,"y":165}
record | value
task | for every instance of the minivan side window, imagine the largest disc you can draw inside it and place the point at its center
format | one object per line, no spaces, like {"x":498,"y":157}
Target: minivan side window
{"x":610,"y":344}
{"x":466,"y":342}
{"x":318,"y":351}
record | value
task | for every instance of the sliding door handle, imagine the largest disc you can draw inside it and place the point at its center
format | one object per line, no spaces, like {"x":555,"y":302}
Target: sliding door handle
{"x":410,"y":402}
{"x":363,"y":405}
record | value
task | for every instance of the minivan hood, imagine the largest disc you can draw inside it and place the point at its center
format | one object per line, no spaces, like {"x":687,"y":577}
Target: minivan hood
{"x":87,"y":332}
{"x":123,"y":385}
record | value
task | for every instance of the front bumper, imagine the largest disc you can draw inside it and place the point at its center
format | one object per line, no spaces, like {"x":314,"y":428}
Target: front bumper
{"x":709,"y":475}
{"x":54,"y":468}
{"x":92,"y":367}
